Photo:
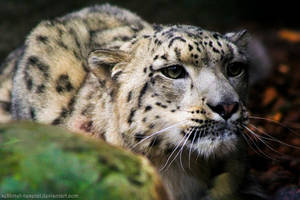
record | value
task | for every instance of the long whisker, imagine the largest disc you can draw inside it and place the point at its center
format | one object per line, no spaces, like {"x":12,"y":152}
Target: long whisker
{"x":181,"y":150}
{"x":275,"y":122}
{"x":161,"y":169}
{"x":270,"y":138}
{"x":158,"y":132}
{"x":261,"y":151}
{"x":190,"y":151}
{"x":245,"y":137}
{"x":265,"y":143}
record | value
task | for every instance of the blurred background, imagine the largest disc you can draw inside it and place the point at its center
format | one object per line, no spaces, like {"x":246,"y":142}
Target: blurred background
{"x":18,"y":17}
{"x":276,"y":99}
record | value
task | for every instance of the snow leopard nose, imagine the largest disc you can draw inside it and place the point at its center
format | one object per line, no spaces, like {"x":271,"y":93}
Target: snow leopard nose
{"x":224,"y":109}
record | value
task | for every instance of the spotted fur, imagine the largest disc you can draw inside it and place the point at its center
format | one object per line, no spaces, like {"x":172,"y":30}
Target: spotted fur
{"x":99,"y":71}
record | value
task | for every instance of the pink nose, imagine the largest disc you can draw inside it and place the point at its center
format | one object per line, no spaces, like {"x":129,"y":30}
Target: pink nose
{"x":225,"y":110}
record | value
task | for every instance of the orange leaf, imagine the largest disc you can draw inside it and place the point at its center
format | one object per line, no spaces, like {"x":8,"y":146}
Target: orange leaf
{"x":277,"y":117}
{"x":283,"y":68}
{"x":289,"y":35}
{"x":269,"y":95}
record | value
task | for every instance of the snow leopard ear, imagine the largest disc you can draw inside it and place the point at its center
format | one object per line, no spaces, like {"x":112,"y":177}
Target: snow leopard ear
{"x":240,"y":38}
{"x":106,"y":63}
{"x":258,"y":58}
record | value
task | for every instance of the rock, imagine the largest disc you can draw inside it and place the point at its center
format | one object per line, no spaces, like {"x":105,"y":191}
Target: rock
{"x":45,"y":160}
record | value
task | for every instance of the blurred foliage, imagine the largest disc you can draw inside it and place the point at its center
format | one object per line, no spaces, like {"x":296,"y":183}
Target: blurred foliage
{"x":39,"y":159}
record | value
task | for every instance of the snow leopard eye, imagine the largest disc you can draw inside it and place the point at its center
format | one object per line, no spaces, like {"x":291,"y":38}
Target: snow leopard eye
{"x":235,"y":69}
{"x":174,"y":71}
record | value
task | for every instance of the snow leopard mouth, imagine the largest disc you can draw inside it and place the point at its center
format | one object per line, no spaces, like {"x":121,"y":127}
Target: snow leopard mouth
{"x":214,"y":130}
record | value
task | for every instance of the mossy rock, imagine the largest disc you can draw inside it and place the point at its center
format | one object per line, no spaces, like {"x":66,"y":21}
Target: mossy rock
{"x":44,"y":160}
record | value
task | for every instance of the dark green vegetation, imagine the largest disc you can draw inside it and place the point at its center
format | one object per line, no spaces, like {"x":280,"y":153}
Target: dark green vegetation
{"x":38,"y":159}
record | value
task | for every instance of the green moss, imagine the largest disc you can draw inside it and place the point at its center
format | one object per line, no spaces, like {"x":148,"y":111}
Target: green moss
{"x":44,"y":159}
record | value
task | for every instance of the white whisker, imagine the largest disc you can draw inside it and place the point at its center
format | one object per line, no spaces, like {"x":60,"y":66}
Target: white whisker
{"x":275,"y":122}
{"x":190,"y":151}
{"x":261,"y":151}
{"x":158,"y":132}
{"x":258,"y":137}
{"x":271,"y":138}
{"x":181,"y":150}
{"x":249,"y":143}
{"x":161,"y":169}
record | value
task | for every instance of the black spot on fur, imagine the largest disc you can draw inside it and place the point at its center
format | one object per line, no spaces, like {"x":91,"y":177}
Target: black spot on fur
{"x":56,"y":121}
{"x":62,"y":44}
{"x":169,"y":150}
{"x":71,"y":104}
{"x":145,"y":70}
{"x":139,"y":136}
{"x":216,"y":36}
{"x":178,"y":53}
{"x":64,"y":113}
{"x":157,"y":28}
{"x":131,"y":115}
{"x":182,"y":133}
{"x":63,"y":84}
{"x":144,"y":119}
{"x":190,"y":47}
{"x":152,"y":80}
{"x":43,"y":39}
{"x":155,"y":57}
{"x":161,"y":105}
{"x":34,"y":61}
{"x":142,"y":93}
{"x":164,"y":57}
{"x":112,"y":95}
{"x":200,"y":121}
{"x":29,"y":82}
{"x":154,"y":95}
{"x":116,"y":75}
{"x":40,"y":89}
{"x":216,"y":50}
{"x":157,"y":42}
{"x":151,"y":68}
{"x":87,"y":126}
{"x":32,"y":114}
{"x":147,"y":108}
{"x":6,"y":106}
{"x":155,"y":142}
{"x":76,"y":55}
{"x":151,"y":126}
{"x":174,"y":39}
{"x":129,"y":96}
